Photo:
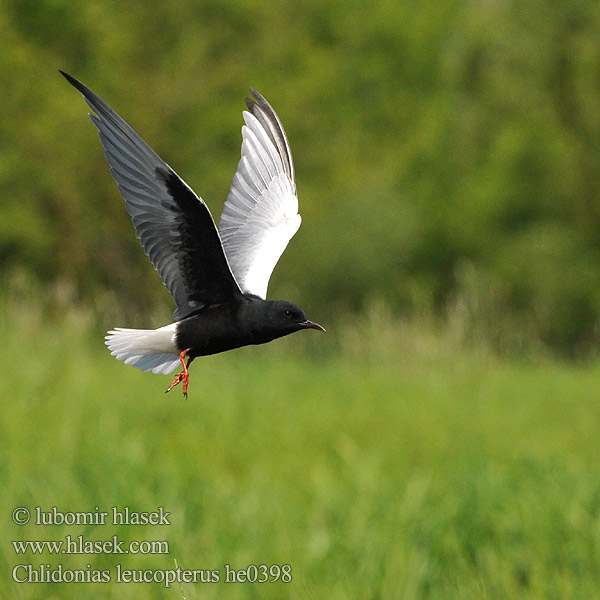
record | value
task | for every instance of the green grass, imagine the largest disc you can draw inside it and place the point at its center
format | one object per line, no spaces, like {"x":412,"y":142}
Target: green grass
{"x":381,"y":463}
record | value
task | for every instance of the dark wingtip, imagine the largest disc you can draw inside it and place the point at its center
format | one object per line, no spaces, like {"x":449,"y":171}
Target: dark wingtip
{"x":67,"y":76}
{"x":257,"y":100}
{"x":250,"y":102}
{"x":74,"y":82}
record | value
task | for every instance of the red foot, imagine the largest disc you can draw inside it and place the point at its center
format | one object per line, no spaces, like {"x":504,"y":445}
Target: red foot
{"x":183,"y":376}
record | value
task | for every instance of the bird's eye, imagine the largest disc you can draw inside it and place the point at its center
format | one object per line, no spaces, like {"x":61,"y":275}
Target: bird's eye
{"x":288,"y":314}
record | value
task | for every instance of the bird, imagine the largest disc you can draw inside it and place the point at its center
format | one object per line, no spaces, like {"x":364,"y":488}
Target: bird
{"x":218,"y":278}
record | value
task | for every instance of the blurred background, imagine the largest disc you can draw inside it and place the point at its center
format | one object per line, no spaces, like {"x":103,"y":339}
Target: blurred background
{"x":446,"y":153}
{"x":441,"y":440}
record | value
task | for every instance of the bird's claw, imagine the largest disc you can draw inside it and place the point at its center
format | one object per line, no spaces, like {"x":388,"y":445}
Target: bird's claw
{"x":183,"y":376}
{"x":176,"y":381}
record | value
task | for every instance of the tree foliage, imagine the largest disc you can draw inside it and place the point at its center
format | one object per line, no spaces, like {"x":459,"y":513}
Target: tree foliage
{"x":445,"y":152}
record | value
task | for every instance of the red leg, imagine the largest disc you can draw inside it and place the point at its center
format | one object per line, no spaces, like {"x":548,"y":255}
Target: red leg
{"x":183,"y":376}
{"x":186,"y":375}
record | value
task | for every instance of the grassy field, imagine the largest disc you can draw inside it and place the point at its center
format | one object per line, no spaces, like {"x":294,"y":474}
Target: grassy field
{"x":377,"y":464}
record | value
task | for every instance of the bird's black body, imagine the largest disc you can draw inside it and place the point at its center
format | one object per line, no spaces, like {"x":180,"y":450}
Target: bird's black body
{"x":246,"y":321}
{"x":217,"y":277}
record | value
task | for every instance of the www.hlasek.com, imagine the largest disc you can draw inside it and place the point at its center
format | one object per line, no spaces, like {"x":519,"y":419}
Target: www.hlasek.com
{"x":79,"y":545}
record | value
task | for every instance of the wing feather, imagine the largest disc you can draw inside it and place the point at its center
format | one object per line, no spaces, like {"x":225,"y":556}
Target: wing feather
{"x":174,"y":225}
{"x":260,"y":215}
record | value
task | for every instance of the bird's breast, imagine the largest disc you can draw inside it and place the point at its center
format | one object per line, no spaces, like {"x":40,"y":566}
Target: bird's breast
{"x":215,"y":329}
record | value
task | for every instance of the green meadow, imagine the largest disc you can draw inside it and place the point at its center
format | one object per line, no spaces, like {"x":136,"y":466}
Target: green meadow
{"x":378,"y":460}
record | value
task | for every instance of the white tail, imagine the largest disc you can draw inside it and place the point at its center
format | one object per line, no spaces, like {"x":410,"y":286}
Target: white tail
{"x":148,"y":349}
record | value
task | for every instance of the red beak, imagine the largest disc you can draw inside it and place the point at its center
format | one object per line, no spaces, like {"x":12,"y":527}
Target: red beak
{"x":312,"y":325}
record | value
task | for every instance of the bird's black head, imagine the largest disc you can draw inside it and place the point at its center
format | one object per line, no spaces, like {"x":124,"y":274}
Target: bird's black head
{"x":277,"y":318}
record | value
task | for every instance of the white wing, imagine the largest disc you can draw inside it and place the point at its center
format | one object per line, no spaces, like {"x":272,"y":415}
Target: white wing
{"x":260,"y":215}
